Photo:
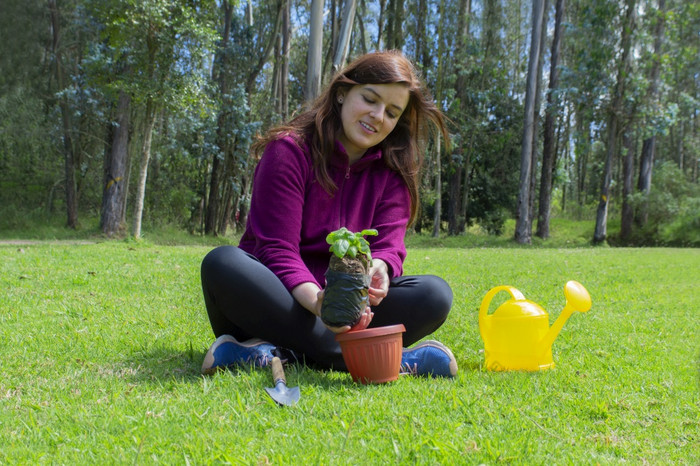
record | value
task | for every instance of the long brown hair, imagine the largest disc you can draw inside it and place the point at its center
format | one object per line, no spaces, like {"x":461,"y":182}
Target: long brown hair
{"x":402,"y":149}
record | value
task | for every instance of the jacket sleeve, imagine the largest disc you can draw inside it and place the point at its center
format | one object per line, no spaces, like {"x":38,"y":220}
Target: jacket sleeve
{"x":276,"y":211}
{"x":391,"y":220}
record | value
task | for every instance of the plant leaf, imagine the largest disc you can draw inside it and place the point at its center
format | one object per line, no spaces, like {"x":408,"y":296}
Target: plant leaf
{"x":341,"y":247}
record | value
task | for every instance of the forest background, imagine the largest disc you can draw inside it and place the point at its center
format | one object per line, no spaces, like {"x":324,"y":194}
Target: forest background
{"x":120,"y":113}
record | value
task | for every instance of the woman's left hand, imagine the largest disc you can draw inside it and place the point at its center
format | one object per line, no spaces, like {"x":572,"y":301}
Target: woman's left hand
{"x":379,"y":283}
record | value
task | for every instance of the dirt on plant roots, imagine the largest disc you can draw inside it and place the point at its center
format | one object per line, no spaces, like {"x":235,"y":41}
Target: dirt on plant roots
{"x":350,"y":265}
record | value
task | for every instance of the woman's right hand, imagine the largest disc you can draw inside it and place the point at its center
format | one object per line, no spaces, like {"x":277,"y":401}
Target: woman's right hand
{"x":309,"y":296}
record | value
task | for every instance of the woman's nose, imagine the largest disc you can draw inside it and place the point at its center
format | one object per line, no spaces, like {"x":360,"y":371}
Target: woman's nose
{"x":376,"y":114}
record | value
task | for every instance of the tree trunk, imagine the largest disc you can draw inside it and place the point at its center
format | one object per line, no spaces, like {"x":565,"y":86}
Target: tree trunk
{"x":453,"y":206}
{"x":601,"y":224}
{"x":567,"y":158}
{"x":438,"y":99}
{"x":265,"y":55}
{"x":646,"y":162}
{"x":696,"y":160}
{"x":438,"y":191}
{"x":627,"y":187}
{"x":462,"y":36}
{"x":116,"y":162}
{"x":460,"y":91}
{"x":464,"y":213}
{"x":333,"y":15}
{"x":380,"y":24}
{"x":149,"y":123}
{"x":390,"y":23}
{"x":341,"y":51}
{"x":248,"y":12}
{"x":549,"y":155}
{"x":68,"y":151}
{"x":275,"y":90}
{"x":212,"y":211}
{"x":421,"y":32}
{"x":313,"y":58}
{"x":397,"y":38}
{"x":523,"y":227}
{"x":361,"y":26}
{"x":284,"y":73}
{"x":536,"y":120}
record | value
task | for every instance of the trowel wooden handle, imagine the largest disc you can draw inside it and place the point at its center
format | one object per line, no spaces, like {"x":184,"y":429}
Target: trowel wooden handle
{"x":278,"y":371}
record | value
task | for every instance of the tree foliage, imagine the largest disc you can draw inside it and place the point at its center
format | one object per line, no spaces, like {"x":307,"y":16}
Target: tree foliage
{"x":204,"y":77}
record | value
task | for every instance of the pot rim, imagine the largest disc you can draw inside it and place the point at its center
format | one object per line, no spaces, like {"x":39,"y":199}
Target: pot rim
{"x":370,"y":332}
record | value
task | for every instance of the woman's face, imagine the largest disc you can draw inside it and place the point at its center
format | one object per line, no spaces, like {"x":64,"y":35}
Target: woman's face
{"x":369,"y":112}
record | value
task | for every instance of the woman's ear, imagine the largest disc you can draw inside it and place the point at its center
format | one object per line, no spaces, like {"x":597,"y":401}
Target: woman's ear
{"x":340,"y":96}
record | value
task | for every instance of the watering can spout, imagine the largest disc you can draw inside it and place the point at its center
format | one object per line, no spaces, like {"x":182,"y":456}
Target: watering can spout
{"x":577,"y":300}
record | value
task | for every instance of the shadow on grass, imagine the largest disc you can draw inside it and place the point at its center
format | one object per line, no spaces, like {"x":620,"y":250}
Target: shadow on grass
{"x":170,"y":364}
{"x":159,"y":364}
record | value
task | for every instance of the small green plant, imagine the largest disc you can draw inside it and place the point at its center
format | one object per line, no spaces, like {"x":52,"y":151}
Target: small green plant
{"x":347,"y":243}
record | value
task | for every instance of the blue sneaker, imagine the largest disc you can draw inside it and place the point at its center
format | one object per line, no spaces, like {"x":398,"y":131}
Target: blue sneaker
{"x":227,"y":351}
{"x":429,"y":358}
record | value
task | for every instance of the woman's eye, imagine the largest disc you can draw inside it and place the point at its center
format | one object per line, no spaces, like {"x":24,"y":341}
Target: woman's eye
{"x":368,"y":100}
{"x":391,"y":115}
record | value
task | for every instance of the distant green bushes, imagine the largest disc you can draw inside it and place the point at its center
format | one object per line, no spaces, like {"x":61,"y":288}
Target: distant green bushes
{"x":672,"y":210}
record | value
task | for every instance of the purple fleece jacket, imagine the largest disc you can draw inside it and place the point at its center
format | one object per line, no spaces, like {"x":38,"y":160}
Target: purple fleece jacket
{"x":291,"y":214}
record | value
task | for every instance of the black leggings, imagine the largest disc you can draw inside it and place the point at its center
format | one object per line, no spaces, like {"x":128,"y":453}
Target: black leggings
{"x":245,"y":299}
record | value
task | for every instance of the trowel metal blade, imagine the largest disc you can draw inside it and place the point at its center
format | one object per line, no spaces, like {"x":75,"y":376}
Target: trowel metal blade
{"x":284,"y":395}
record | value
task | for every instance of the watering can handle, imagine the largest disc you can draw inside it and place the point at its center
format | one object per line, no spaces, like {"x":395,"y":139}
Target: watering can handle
{"x":484,"y":310}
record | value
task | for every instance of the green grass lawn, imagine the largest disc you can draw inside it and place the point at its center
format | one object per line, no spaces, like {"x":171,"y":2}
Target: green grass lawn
{"x":102,"y":343}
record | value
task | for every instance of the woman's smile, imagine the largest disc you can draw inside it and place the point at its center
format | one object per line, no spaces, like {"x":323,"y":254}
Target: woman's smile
{"x":368,"y":127}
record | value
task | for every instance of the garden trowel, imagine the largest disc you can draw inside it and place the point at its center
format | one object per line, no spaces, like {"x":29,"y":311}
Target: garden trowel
{"x":280,"y":393}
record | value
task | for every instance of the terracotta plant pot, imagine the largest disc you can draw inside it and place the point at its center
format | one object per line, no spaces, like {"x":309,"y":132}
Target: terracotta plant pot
{"x":373,"y":355}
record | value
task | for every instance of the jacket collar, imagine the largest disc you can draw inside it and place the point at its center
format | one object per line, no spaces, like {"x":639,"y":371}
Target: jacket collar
{"x":340,"y":157}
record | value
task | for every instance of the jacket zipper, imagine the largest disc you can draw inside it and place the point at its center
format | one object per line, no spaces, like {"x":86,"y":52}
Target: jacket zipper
{"x":341,"y":216}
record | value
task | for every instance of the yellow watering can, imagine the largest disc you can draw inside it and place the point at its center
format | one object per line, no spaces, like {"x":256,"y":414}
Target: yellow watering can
{"x":517,"y":336}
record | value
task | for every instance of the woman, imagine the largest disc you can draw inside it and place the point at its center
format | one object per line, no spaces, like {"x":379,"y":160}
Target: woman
{"x":351,"y":160}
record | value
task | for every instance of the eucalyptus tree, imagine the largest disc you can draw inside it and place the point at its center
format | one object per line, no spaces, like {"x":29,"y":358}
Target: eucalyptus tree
{"x":222,"y":76}
{"x":116,"y":170}
{"x":346,"y":24}
{"x":586,"y":77}
{"x":331,"y":36}
{"x":523,"y":226}
{"x":536,"y":121}
{"x":280,"y":73}
{"x":31,"y":161}
{"x":381,"y":25}
{"x":314,"y":54}
{"x":437,"y":216}
{"x":395,"y":23}
{"x":646,"y":161}
{"x":614,"y":111}
{"x":678,"y":126}
{"x":361,"y":43}
{"x":549,"y":154}
{"x":486,"y":116}
{"x":461,"y":88}
{"x":458,"y":166}
{"x":67,"y":57}
{"x":78,"y":101}
{"x":68,"y":148}
{"x":165,"y":44}
{"x":243,"y":101}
